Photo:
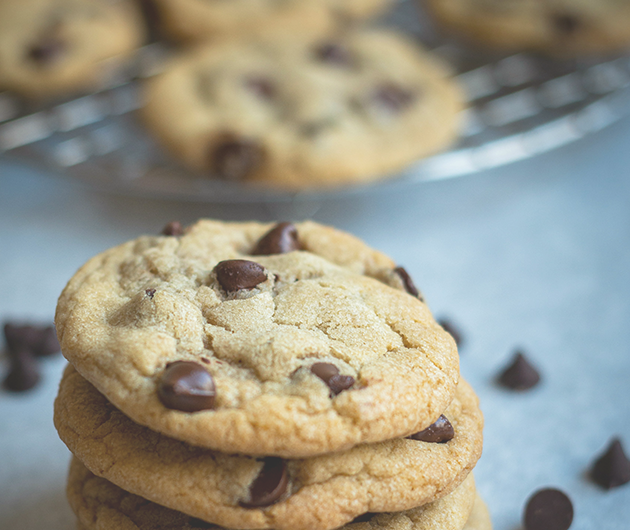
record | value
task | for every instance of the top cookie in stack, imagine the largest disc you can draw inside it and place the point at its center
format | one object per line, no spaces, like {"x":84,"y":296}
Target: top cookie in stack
{"x":262,"y":376}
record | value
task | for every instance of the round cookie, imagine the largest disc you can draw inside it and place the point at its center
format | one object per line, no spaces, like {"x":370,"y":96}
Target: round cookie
{"x":100,"y":505}
{"x":54,"y":47}
{"x":297,"y":111}
{"x":318,"y":493}
{"x":299,"y":356}
{"x":562,"y":27}
{"x":203,"y":20}
{"x":479,"y":518}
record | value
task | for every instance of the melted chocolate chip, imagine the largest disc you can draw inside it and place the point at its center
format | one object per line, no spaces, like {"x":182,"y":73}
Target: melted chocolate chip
{"x":261,"y":87}
{"x":392,"y":97}
{"x":235,"y":159}
{"x":520,"y":374}
{"x":612,"y":468}
{"x":48,"y":50}
{"x":270,"y":484}
{"x":40,"y":341}
{"x":23,"y":372}
{"x":150,"y":293}
{"x":236,"y":274}
{"x":330,"y":375}
{"x":334,"y":53}
{"x":186,"y":386}
{"x":565,"y":24}
{"x":407,"y":282}
{"x":281,"y":239}
{"x":174,"y":229}
{"x":548,"y":509}
{"x":439,"y":432}
{"x":448,"y":326}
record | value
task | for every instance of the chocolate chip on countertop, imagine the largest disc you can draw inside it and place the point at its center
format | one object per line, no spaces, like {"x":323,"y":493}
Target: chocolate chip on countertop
{"x":174,"y":228}
{"x":48,"y":50}
{"x":407,"y":282}
{"x":330,"y":375}
{"x":448,"y":326}
{"x":235,"y":159}
{"x":186,"y":386}
{"x":270,"y":484}
{"x":439,"y":432}
{"x":236,"y":274}
{"x":520,"y":374}
{"x":23,"y":372}
{"x":392,"y":97}
{"x":548,"y":509}
{"x":281,"y":239}
{"x":612,"y":468}
{"x":334,"y":53}
{"x":40,"y":341}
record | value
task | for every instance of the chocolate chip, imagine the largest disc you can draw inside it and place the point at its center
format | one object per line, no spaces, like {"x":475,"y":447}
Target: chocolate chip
{"x":612,"y":468}
{"x":334,"y":53}
{"x":439,"y":432}
{"x":448,"y":326}
{"x":270,"y":484}
{"x":48,"y":343}
{"x":281,"y":239}
{"x":23,"y":372}
{"x":235,"y":159}
{"x":565,"y":24}
{"x":330,"y":375}
{"x":48,"y":50}
{"x":186,"y":386}
{"x":150,"y":293}
{"x":407,"y":282}
{"x":236,"y":274}
{"x":520,"y":374}
{"x":548,"y":509}
{"x":174,"y":229}
{"x":40,"y":341}
{"x":261,"y":87}
{"x":392,"y":97}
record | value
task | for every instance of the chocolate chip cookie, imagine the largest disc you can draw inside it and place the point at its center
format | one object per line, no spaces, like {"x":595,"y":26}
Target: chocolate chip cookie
{"x":564,"y":27}
{"x":54,"y":47}
{"x":298,"y":111}
{"x":203,"y":20}
{"x":101,"y":505}
{"x":204,"y":338}
{"x":318,"y":493}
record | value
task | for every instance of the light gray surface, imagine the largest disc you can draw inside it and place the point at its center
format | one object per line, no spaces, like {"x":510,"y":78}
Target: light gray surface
{"x":535,"y":255}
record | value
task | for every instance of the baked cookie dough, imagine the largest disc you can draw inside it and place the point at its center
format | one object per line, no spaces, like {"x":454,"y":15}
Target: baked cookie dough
{"x":53,"y":47}
{"x":561,"y":27}
{"x":296,"y":111}
{"x":203,"y":20}
{"x":100,"y":505}
{"x":286,"y":354}
{"x":318,"y":493}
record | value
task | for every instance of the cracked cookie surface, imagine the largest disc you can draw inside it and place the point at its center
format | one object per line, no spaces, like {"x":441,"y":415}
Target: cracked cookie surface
{"x":302,"y":111}
{"x":133,"y":311}
{"x":54,"y":47}
{"x":203,"y":20}
{"x":563,"y":27}
{"x":101,"y":505}
{"x":322,"y":492}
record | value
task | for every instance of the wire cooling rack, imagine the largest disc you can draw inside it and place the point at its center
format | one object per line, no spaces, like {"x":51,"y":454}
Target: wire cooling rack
{"x":519,"y":106}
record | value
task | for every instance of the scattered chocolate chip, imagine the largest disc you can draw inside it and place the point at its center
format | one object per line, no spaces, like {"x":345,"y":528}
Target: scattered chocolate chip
{"x":270,"y":484}
{"x":236,"y":274}
{"x":520,"y":374}
{"x":392,"y":97}
{"x":40,"y":341}
{"x":48,"y":50}
{"x":281,"y":239}
{"x":448,"y":326}
{"x":23,"y":372}
{"x":548,"y":509}
{"x":150,"y":293}
{"x":330,"y":375}
{"x":174,"y":228}
{"x":439,"y":432}
{"x":612,"y":468}
{"x":565,"y":24}
{"x":261,"y":87}
{"x":334,"y":53}
{"x":235,"y":159}
{"x":407,"y":282}
{"x":186,"y":386}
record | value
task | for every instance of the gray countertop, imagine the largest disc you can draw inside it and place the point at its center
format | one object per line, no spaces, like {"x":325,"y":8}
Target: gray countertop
{"x":535,"y":255}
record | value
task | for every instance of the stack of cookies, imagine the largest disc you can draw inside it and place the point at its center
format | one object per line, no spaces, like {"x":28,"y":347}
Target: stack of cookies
{"x":251,"y":376}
